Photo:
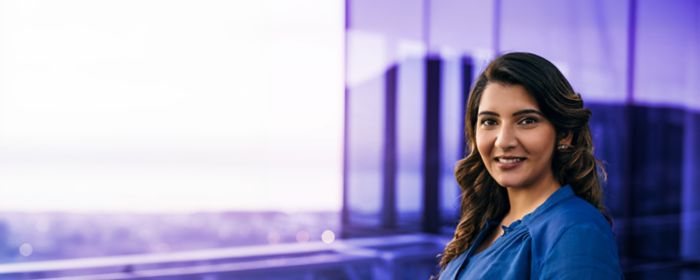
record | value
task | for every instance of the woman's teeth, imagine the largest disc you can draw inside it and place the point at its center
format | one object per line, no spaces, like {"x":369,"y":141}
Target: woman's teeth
{"x":510,"y":160}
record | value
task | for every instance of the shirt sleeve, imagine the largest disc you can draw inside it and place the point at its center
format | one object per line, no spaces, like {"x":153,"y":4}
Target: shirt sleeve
{"x":582,"y":252}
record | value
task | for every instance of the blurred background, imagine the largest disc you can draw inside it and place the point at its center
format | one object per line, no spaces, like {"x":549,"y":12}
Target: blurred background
{"x":313,"y":139}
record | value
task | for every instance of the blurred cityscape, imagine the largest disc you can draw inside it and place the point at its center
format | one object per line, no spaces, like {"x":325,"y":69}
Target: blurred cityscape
{"x":50,"y":236}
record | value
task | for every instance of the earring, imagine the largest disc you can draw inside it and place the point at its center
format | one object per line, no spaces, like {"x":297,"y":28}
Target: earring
{"x":562,"y":147}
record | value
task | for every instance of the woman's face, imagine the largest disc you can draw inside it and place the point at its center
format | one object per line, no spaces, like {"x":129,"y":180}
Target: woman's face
{"x":514,"y":139}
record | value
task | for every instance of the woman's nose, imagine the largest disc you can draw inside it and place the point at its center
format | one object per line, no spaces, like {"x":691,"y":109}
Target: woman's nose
{"x":505,"y":138}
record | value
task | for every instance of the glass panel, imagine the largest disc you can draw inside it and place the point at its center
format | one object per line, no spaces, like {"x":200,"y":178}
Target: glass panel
{"x":410,"y":126}
{"x":587,"y":40}
{"x":365,"y":147}
{"x":452,"y":130}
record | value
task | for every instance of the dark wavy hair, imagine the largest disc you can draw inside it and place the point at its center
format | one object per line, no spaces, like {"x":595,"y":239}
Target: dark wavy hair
{"x":482,"y":198}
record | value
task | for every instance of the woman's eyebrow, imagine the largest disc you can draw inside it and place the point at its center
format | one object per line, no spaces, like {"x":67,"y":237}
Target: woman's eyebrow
{"x":527,"y":111}
{"x":518,"y":113}
{"x":488,"y":113}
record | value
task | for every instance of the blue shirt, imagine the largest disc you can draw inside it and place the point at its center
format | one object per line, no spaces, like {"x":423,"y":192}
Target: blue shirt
{"x":564,"y":238}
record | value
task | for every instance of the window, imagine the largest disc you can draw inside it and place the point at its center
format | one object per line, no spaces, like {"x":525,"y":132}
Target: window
{"x":116,"y":114}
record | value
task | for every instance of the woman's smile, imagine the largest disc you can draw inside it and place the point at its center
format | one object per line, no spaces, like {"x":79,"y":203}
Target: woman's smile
{"x":509,"y":162}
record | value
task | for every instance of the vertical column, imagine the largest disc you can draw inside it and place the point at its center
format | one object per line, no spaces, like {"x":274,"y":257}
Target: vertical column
{"x":467,"y":79}
{"x":690,"y":212}
{"x":389,"y":172}
{"x":431,"y":179}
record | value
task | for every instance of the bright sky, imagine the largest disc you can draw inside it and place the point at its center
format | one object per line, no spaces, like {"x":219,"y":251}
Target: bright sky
{"x":162,"y":105}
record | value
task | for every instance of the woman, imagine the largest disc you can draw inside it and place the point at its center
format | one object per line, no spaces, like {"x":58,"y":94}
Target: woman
{"x":532,"y":201}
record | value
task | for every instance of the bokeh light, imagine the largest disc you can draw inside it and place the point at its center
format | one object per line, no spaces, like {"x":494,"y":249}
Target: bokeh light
{"x":26,"y":249}
{"x":328,"y":236}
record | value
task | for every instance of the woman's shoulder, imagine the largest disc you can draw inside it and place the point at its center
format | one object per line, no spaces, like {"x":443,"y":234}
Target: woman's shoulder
{"x":562,"y":209}
{"x":574,"y":237}
{"x":574,"y":211}
{"x":570,"y":219}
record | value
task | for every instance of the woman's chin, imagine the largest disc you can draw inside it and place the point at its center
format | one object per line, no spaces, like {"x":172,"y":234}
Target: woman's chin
{"x":510,"y":184}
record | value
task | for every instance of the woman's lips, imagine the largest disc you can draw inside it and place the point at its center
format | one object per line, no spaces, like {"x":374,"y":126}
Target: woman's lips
{"x":508,"y":163}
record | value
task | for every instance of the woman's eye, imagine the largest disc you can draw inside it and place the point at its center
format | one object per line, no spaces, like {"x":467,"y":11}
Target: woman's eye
{"x":527,"y":121}
{"x":488,"y":122}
